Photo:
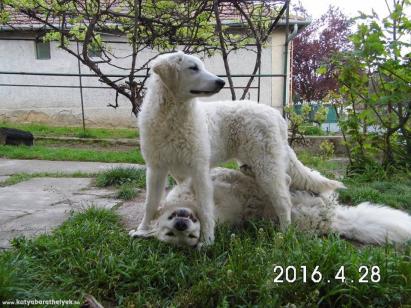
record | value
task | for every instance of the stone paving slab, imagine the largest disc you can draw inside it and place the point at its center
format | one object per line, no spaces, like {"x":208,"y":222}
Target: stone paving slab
{"x":40,"y":204}
{"x":3,"y":178}
{"x":13,"y":166}
{"x":132,"y":211}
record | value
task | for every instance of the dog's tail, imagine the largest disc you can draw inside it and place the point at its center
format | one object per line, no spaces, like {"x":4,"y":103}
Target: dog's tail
{"x":371,"y":224}
{"x":366,"y":223}
{"x":304,"y":178}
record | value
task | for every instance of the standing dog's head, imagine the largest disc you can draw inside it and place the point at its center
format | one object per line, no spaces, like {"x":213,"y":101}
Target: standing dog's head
{"x":186,"y":76}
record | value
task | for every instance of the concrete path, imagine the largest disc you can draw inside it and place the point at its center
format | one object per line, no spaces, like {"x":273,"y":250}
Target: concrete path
{"x":13,"y":166}
{"x":41,"y":204}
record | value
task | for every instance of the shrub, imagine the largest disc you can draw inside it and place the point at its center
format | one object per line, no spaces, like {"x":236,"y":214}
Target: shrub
{"x":119,"y":176}
{"x":326,"y":149}
{"x":302,"y":121}
{"x":374,"y":104}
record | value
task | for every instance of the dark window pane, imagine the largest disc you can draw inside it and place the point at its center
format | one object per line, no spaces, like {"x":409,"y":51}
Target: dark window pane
{"x":43,"y":50}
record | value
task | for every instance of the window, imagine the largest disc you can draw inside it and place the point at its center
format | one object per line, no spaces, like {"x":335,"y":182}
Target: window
{"x":42,"y":50}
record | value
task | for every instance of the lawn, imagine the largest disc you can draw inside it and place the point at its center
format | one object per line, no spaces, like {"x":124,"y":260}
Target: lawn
{"x":52,"y":150}
{"x":54,"y":131}
{"x":71,"y":154}
{"x":92,"y":254}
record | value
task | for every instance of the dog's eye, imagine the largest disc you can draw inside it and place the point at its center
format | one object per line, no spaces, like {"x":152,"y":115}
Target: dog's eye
{"x":194,"y":68}
{"x":192,"y":236}
{"x":170,"y":233}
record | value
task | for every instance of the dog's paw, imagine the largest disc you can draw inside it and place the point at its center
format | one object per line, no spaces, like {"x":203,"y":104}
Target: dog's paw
{"x":284,"y":220}
{"x":207,"y":239}
{"x":140,"y":233}
{"x":200,"y":246}
{"x":284,"y":225}
{"x":203,"y":245}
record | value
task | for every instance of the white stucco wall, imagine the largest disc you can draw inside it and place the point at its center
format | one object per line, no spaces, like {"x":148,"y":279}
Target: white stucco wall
{"x":61,"y":106}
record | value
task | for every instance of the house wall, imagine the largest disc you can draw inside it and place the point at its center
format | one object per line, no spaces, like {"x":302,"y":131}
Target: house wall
{"x":62,"y":106}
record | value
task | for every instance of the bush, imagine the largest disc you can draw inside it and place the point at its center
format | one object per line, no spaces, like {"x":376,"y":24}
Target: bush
{"x":326,"y":149}
{"x":311,"y":130}
{"x":301,"y":121}
{"x":119,"y":176}
{"x":374,"y":92}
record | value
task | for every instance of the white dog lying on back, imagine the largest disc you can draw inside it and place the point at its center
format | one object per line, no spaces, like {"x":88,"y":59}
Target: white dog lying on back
{"x":185,"y":137}
{"x":238,"y":198}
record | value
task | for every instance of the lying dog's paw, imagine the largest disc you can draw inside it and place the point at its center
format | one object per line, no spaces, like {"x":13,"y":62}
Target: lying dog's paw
{"x":207,"y":232}
{"x":207,"y":240}
{"x":199,"y":246}
{"x":141,"y":233}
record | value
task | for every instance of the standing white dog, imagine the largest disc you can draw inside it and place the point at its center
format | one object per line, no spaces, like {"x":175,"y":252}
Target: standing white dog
{"x":185,"y":137}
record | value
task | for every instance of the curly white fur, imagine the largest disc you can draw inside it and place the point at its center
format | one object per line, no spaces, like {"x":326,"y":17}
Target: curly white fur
{"x":238,"y":199}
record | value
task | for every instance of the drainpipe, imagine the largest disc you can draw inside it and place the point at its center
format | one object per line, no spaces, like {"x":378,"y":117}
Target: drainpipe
{"x":287,"y":19}
{"x":293,"y":34}
{"x":288,"y":39}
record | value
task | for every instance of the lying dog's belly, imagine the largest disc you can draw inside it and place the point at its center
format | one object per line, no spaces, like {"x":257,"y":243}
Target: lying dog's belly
{"x":236,"y":197}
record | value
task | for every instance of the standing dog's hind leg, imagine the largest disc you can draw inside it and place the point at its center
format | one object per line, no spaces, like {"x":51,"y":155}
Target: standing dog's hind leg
{"x":273,"y":181}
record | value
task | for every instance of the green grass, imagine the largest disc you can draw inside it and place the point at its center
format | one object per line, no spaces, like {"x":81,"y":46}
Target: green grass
{"x":92,"y":254}
{"x":395,"y":192}
{"x":21,"y":177}
{"x":312,"y":130}
{"x":53,"y":131}
{"x":119,"y":176}
{"x":391,"y":187}
{"x":328,"y":168}
{"x":127,"y":192}
{"x":232,"y":164}
{"x":16,"y":178}
{"x":127,"y":180}
{"x":72,"y":154}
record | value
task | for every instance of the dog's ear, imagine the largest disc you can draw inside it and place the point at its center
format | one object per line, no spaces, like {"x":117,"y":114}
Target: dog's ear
{"x":167,"y":67}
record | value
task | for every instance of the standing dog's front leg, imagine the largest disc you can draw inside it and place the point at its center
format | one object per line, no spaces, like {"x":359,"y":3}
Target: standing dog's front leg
{"x":203,"y":190}
{"x":155,"y":184}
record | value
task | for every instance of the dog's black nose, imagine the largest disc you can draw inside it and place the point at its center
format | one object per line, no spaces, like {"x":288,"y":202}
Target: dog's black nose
{"x":181,"y":225}
{"x":220,"y":83}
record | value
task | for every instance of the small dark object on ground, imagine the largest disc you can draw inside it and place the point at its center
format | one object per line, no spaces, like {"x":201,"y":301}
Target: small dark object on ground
{"x":12,"y":136}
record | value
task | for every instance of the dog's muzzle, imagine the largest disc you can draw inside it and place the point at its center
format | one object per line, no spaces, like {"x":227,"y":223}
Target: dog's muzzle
{"x":182,"y":219}
{"x":220,"y":84}
{"x":181,"y":224}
